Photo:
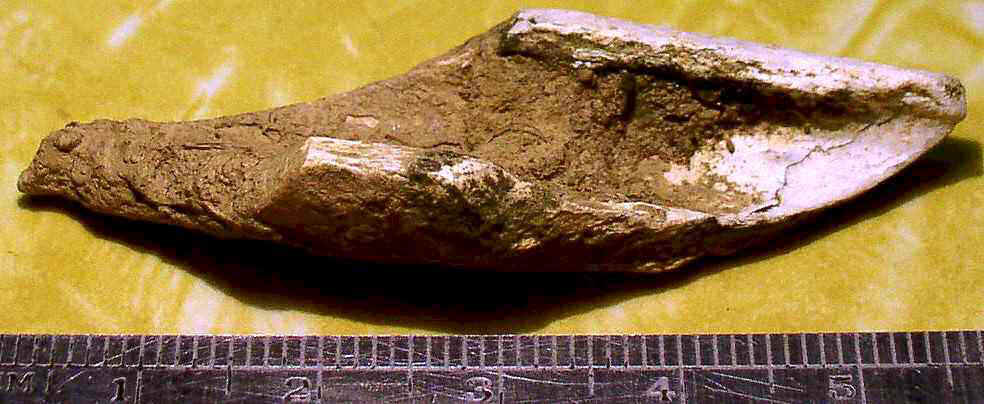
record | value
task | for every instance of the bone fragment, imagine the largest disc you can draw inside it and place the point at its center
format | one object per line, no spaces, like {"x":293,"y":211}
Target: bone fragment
{"x":557,"y":141}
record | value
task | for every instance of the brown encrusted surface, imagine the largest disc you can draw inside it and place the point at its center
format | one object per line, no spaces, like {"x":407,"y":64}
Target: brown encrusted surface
{"x":582,"y":134}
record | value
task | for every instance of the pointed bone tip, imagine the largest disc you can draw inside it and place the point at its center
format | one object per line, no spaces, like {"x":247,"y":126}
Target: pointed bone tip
{"x":713,"y":57}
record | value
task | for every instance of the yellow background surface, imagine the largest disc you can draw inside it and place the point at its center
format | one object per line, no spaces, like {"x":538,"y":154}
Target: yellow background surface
{"x":909,"y":255}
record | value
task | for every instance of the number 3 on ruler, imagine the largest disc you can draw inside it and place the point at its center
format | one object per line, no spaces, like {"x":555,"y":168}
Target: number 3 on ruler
{"x":841,"y":387}
{"x":661,"y":390}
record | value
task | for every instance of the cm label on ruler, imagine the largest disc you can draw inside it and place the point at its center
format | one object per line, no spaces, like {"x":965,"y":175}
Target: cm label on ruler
{"x":868,"y":367}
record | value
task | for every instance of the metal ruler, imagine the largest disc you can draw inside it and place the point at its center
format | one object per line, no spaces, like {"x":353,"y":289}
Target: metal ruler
{"x":775,"y":368}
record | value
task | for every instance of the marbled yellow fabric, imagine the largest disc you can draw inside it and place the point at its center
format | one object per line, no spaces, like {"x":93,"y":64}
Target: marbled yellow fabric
{"x":909,"y":255}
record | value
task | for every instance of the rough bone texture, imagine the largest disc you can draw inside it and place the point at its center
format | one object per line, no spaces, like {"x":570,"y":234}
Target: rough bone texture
{"x":557,"y":141}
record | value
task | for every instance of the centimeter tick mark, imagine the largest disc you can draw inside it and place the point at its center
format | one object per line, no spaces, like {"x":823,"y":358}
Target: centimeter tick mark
{"x":768,"y":358}
{"x":662,"y":351}
{"x":823,"y":350}
{"x":392,"y":351}
{"x":194,"y":350}
{"x":803,"y":352}
{"x":481,"y":354}
{"x":373,"y":352}
{"x":857,"y":356}
{"x":697,"y":356}
{"x":427,"y":356}
{"x":980,"y":348}
{"x":929,"y":353}
{"x":874,"y":348}
{"x":946,"y":359}
{"x":751,"y":349}
{"x":963,"y":347}
{"x":608,"y":351}
{"x":908,"y":343}
{"x":840,"y":349}
{"x":714,"y":349}
{"x":785,"y":348}
{"x":625,"y":350}
{"x":570,"y":346}
{"x":892,"y":349}
{"x":338,"y":352}
{"x":553,"y":351}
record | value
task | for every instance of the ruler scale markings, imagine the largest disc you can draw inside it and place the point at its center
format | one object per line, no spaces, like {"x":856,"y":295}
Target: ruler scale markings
{"x":16,"y":349}
{"x":823,"y":350}
{"x":232,"y":351}
{"x":338,"y":352}
{"x":517,"y":351}
{"x":409,"y":364}
{"x":481,"y":354}
{"x":679,"y":349}
{"x":500,"y":374}
{"x":320,"y":363}
{"x":929,"y":353}
{"x":785,"y":348}
{"x":840,"y":350}
{"x":768,"y":360}
{"x":590,"y":354}
{"x":946,"y":359}
{"x":427,"y":356}
{"x":69,"y":354}
{"x":392,"y":347}
{"x":625,"y":351}
{"x":697,"y":353}
{"x":608,"y":351}
{"x":140,"y":353}
{"x":194,"y":350}
{"x":908,"y":343}
{"x":447,"y":351}
{"x":355,"y":353}
{"x":85,"y":357}
{"x":34,"y":350}
{"x":373,"y":352}
{"x":751,"y":349}
{"x":980,"y":347}
{"x":857,"y":357}
{"x":51,"y":352}
{"x":683,"y":382}
{"x":572,"y":351}
{"x":891,"y":348}
{"x":500,"y":353}
{"x":213,"y":344}
{"x":806,"y":359}
{"x":83,"y":346}
{"x":160,"y":349}
{"x":536,"y":351}
{"x":302,"y":355}
{"x":963,"y":347}
{"x":662,"y":352}
{"x":553,"y":351}
{"x":874,"y":348}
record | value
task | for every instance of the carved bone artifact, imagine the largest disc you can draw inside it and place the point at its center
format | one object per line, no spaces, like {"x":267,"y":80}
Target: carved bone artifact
{"x":558,"y":140}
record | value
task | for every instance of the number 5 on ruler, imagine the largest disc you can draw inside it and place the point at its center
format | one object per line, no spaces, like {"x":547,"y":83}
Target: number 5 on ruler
{"x":841,"y":387}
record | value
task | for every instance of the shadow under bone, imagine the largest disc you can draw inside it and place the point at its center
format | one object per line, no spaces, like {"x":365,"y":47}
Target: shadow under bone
{"x":436,"y":299}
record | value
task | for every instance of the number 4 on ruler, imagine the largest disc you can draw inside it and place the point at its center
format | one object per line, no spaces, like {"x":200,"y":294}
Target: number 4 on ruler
{"x":661,"y":390}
